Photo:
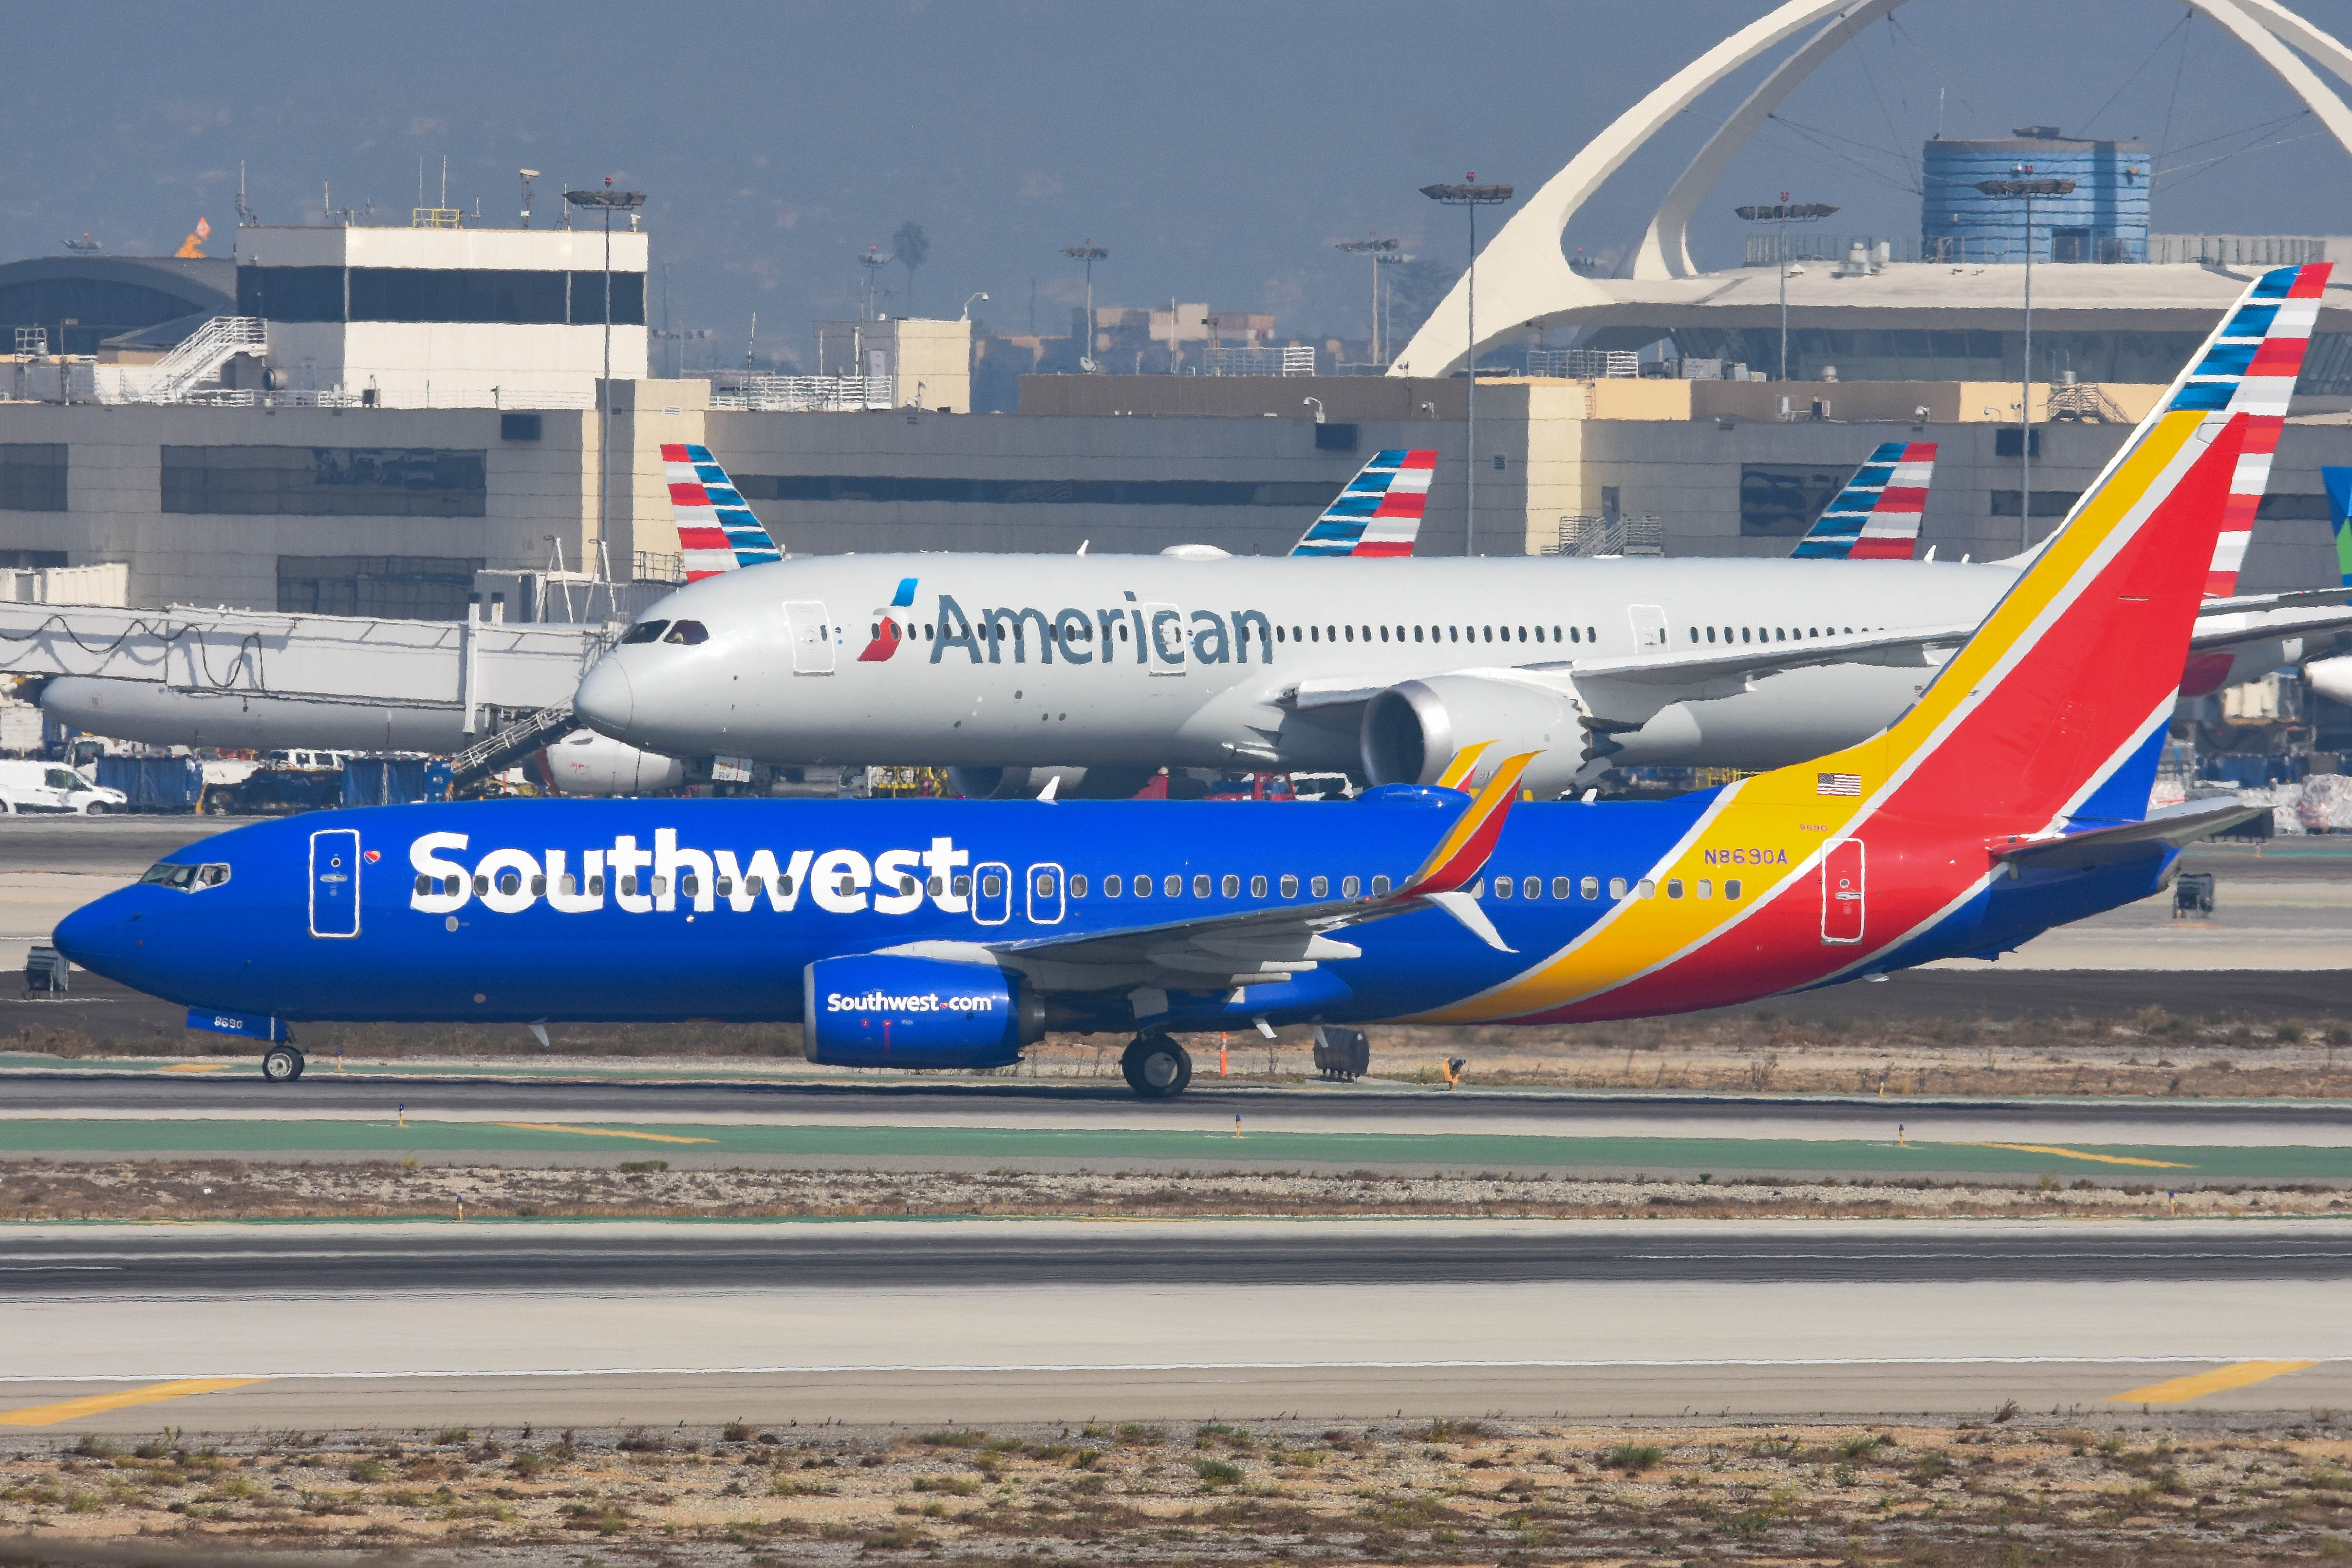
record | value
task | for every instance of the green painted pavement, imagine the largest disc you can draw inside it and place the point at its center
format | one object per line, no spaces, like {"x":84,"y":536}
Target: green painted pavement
{"x":619,"y":1140}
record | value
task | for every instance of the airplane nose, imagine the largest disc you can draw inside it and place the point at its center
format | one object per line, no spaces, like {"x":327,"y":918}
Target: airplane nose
{"x":94,"y":936}
{"x":605,"y":701}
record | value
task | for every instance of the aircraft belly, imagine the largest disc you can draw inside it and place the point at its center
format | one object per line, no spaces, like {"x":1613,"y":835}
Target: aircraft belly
{"x":1784,"y":718}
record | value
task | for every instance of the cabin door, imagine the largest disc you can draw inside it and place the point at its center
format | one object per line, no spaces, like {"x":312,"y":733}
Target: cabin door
{"x":335,"y":882}
{"x":1841,"y":888}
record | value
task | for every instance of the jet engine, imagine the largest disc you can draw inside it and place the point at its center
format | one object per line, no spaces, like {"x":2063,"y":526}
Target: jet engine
{"x":1412,"y":730}
{"x":889,"y":1010}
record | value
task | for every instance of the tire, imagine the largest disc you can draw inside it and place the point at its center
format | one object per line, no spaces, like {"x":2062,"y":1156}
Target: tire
{"x":282,"y":1063}
{"x":96,"y":808}
{"x":1156,"y":1067}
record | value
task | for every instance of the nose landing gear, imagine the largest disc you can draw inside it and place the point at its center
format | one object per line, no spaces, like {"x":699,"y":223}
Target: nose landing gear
{"x":1156,"y":1067}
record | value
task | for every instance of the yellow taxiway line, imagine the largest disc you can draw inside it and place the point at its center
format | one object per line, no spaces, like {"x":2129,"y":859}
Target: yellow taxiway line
{"x":604,"y":1133}
{"x":2220,"y":1380}
{"x":75,"y":1409}
{"x":2081,"y":1154}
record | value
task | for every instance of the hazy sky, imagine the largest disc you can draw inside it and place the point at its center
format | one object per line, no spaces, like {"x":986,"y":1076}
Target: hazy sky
{"x":1216,"y":149}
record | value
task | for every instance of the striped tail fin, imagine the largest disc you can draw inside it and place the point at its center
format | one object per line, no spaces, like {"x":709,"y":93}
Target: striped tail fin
{"x":1876,"y":517}
{"x":2056,"y":710}
{"x":1379,"y":512}
{"x":716,"y":532}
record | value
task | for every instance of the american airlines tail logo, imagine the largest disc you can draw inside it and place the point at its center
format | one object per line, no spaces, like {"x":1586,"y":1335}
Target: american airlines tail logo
{"x":507,"y":881}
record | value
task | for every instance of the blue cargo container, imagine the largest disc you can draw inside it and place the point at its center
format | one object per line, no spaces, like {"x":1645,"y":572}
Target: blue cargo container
{"x":2103,"y":219}
{"x":154,"y":783}
{"x":394,"y":781}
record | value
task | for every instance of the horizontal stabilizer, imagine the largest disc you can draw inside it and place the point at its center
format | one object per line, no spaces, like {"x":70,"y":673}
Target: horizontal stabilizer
{"x":2171,"y":826}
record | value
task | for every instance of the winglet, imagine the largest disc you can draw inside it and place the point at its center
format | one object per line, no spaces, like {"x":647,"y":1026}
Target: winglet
{"x":1464,"y":849}
{"x":1379,"y":512}
{"x":1459,"y":768}
{"x":715,"y":530}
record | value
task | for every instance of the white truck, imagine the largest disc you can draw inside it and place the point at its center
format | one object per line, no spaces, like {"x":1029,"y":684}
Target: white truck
{"x":52,"y":788}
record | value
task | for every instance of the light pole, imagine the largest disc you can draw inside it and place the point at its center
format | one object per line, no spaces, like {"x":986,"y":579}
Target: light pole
{"x":1780,"y":216}
{"x":2028,"y":189}
{"x":1088,"y":253}
{"x":1469,"y":198}
{"x":966,"y":314}
{"x":1380,"y":250}
{"x":610,"y":201}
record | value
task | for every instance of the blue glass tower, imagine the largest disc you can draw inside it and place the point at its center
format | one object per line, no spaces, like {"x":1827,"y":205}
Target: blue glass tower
{"x":2106,"y":219}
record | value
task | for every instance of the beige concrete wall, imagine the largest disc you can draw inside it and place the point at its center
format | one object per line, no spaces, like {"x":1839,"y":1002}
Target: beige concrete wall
{"x":646,"y":414}
{"x":1348,"y":398}
{"x":1945,"y":402}
{"x":932,"y":361}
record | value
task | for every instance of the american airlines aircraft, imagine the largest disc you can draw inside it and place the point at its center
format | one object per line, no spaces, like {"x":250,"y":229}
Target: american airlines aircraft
{"x":1001,"y":665}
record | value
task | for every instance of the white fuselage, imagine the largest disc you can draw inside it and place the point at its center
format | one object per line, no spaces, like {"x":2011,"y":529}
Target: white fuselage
{"x":1111,"y":661}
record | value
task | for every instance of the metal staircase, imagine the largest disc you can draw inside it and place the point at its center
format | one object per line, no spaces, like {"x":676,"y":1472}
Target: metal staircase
{"x":201,"y":354}
{"x":503,"y":748}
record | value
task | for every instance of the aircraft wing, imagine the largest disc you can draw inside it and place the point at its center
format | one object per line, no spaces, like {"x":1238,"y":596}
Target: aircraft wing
{"x":1262,"y":946}
{"x":2271,"y":626}
{"x":2172,"y":825}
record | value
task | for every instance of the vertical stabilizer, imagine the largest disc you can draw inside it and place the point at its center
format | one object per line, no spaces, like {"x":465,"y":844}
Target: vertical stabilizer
{"x":716,"y":532}
{"x":1876,"y":517}
{"x":1379,"y":512}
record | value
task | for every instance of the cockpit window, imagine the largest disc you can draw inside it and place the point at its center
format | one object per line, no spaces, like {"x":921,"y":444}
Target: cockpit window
{"x":186,"y":879}
{"x":688,"y":632}
{"x":644,"y":631}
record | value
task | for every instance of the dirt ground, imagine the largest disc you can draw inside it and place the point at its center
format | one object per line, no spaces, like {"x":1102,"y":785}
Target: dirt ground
{"x":2000,"y":1488}
{"x":191,"y":1189}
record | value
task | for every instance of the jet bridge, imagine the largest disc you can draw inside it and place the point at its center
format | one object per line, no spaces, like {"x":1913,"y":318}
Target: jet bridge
{"x":255,"y":678}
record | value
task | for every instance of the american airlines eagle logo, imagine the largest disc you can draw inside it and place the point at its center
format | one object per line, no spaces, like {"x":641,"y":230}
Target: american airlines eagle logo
{"x":887,"y":633}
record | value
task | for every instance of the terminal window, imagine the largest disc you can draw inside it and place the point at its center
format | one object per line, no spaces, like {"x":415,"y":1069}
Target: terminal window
{"x":412,"y":587}
{"x":1780,"y":501}
{"x":1037,"y":493}
{"x":324,"y":481}
{"x":32,"y":477}
{"x":511,"y":296}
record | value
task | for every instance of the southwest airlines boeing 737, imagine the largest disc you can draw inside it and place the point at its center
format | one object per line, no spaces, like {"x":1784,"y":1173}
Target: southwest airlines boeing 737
{"x":2011,"y":796}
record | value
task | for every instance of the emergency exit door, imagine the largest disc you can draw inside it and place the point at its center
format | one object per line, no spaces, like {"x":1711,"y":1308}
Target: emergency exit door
{"x":812,"y":634}
{"x":1841,"y":889}
{"x":335,"y":882}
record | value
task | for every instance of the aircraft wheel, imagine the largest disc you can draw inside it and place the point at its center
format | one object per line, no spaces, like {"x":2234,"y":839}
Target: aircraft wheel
{"x":1156,"y":1067}
{"x":282,"y":1065}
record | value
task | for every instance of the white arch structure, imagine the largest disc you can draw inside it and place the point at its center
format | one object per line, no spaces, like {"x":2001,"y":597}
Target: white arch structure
{"x":1526,"y":277}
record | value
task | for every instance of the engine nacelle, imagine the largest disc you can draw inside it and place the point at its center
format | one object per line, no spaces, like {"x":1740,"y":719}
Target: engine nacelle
{"x":885,"y":1010}
{"x":2331,"y":677}
{"x":1412,"y":729}
{"x":1022,"y":784}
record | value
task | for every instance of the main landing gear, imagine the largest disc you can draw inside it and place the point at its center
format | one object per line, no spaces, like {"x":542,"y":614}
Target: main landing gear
{"x":282,"y":1065}
{"x":1156,"y":1068}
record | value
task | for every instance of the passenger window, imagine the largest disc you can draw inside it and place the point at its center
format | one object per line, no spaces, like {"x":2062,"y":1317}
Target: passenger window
{"x":1646,"y":887}
{"x":539,"y":887}
{"x":990,"y":885}
{"x":1616,"y":887}
{"x":1232,"y":887}
{"x":644,"y":631}
{"x":1384,"y":634}
{"x":1200,"y":884}
{"x":1114,"y":885}
{"x":1674,"y":887}
{"x":1348,"y":887}
{"x":1592,"y":635}
{"x":596,"y":887}
{"x":1319,"y":888}
{"x":1592,"y":887}
{"x":425,"y":884}
{"x":1706,"y":888}
{"x":1532,"y":888}
{"x":1575,"y":636}
{"x":963,"y":887}
{"x":1290,"y":887}
{"x":934,"y":887}
{"x":1173,"y":886}
{"x":1731,"y":889}
{"x":1257,"y":886}
{"x":1077,"y":886}
{"x":1562,"y":887}
{"x":571,"y":885}
{"x":1045,"y":885}
{"x":661,"y":885}
{"x":1416,"y":634}
{"x":482,"y":886}
{"x":1379,"y":885}
{"x":1502,"y":888}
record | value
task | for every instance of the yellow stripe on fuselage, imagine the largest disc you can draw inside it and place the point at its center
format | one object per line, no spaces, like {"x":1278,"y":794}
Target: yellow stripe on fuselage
{"x":1759,"y":821}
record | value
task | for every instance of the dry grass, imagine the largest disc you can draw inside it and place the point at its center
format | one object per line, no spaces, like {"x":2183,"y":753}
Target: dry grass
{"x":2006,"y":1494}
{"x":212,"y":1188}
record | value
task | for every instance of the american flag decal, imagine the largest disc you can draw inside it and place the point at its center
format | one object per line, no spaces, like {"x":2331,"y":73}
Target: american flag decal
{"x":1837,"y":784}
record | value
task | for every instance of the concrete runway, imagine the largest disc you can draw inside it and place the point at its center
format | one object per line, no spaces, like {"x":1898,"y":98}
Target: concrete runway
{"x":412,"y":1324}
